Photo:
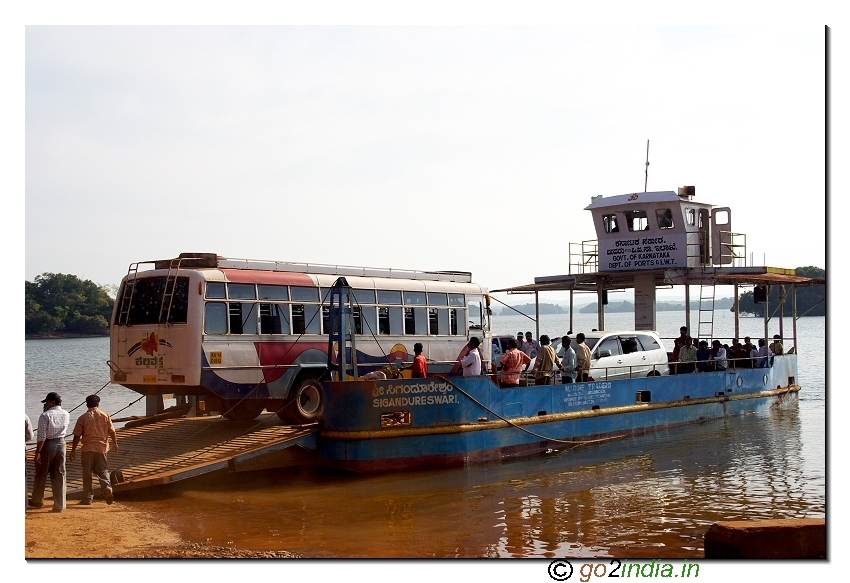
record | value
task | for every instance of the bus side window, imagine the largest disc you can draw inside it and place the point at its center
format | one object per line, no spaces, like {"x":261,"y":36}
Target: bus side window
{"x":235,"y":312}
{"x":249,"y":318}
{"x":433,"y":327}
{"x":369,"y":320}
{"x":273,"y":319}
{"x":215,"y":318}
{"x":383,"y":320}
{"x":443,"y":328}
{"x":298,"y":322}
{"x":396,"y":321}
{"x":409,"y":321}
{"x":313,"y":318}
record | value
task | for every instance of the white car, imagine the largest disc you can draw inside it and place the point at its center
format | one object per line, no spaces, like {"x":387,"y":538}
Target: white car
{"x":622,"y":354}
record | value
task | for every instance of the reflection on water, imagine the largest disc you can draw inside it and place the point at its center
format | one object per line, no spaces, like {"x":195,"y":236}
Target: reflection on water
{"x":649,"y":496}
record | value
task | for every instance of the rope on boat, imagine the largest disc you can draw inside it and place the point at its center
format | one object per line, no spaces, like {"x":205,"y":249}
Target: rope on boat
{"x":574,"y":442}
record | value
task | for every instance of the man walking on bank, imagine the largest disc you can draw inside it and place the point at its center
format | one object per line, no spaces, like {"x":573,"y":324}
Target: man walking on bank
{"x":50,"y":453}
{"x":94,"y":428}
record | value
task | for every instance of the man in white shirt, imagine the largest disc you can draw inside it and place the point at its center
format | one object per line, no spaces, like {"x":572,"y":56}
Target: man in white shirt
{"x":471,"y":363}
{"x":531,"y":346}
{"x":569,"y":360}
{"x":50,"y":453}
{"x":719,"y":356}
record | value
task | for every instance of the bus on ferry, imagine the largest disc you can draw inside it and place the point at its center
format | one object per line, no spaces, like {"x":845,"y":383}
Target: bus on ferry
{"x":250,"y":335}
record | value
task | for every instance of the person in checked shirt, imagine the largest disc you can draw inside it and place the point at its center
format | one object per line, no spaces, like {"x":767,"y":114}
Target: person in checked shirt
{"x":513,"y":363}
{"x":50,"y":453}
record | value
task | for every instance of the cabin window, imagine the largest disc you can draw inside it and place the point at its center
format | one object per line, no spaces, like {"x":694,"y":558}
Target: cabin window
{"x":215,"y":289}
{"x":690,"y":217}
{"x":215,"y":318}
{"x":609,"y":222}
{"x":637,"y":221}
{"x":386,"y":296}
{"x":721,"y":217}
{"x":304,"y":294}
{"x":273,"y":292}
{"x":664,"y":218}
{"x":241,"y":291}
{"x":414,"y":298}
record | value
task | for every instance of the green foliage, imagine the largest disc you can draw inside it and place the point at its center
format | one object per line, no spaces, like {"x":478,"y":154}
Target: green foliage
{"x":810,"y":299}
{"x":56,"y":303}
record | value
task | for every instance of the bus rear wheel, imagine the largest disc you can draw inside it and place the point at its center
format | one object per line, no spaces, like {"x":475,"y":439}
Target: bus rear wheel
{"x":244,"y":410}
{"x":305,"y":403}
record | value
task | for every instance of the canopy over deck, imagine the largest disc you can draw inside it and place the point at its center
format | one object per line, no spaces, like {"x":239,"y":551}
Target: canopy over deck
{"x":593,"y":282}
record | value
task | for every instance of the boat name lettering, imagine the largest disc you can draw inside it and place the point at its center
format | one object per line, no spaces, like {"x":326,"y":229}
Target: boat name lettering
{"x":157,"y":361}
{"x":413,"y":401}
{"x":597,"y":386}
{"x":413,"y":388}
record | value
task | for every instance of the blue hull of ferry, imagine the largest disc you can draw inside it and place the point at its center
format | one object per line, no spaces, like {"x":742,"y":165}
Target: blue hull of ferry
{"x":446,"y":421}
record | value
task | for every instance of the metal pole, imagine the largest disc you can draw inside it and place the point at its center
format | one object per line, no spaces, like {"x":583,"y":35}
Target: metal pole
{"x":600,"y":309}
{"x":688,"y":309}
{"x":794,"y":313}
{"x":737,"y":314}
{"x":571,"y":310}
{"x":537,"y":315}
{"x":781,"y":311}
{"x":766,"y":312}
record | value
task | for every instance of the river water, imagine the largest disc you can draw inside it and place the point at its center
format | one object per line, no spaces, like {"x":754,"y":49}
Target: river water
{"x":650,"y":496}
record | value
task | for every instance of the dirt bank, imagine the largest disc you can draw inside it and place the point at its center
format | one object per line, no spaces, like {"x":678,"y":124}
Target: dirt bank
{"x":116,"y":531}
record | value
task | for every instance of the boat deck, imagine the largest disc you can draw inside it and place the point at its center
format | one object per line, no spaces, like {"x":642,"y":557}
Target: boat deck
{"x":177,"y":449}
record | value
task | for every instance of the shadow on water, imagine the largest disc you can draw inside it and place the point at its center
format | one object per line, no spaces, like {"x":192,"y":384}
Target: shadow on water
{"x":649,"y":496}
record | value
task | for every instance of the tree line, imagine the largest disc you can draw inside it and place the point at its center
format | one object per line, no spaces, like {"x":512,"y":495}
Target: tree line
{"x":62,"y":304}
{"x":811,"y":299}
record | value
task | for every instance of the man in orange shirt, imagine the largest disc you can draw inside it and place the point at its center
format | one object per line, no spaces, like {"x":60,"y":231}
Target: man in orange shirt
{"x":94,"y":428}
{"x":513,"y":363}
{"x":419,"y":370}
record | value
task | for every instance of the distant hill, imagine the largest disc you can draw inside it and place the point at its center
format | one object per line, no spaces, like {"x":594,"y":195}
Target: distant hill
{"x":528,"y":309}
{"x":627,"y":306}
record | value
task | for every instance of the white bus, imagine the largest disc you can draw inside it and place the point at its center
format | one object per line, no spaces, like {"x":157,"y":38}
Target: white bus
{"x":251,"y":335}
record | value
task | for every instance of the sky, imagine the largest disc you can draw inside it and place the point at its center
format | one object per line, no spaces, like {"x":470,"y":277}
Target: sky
{"x":436,"y":136}
{"x":472,"y":148}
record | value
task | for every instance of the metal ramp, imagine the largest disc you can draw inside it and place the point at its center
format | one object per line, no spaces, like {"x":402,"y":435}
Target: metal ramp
{"x":177,"y":449}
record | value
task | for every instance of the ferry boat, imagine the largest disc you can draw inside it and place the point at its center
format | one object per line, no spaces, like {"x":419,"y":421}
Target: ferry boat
{"x":644,"y":240}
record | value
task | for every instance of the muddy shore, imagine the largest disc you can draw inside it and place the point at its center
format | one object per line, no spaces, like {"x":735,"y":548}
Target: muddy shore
{"x":102,"y":531}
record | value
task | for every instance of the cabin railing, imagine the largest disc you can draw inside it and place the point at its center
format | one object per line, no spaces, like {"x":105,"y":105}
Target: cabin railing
{"x":584,"y":257}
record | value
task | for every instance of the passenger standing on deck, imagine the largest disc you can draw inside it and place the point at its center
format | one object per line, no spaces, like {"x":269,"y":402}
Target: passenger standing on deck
{"x":718,"y":355}
{"x":776,"y":345}
{"x":419,"y":370}
{"x":531,"y":346}
{"x":678,"y":343}
{"x":514,"y":362}
{"x":50,"y":453}
{"x":763,"y":355}
{"x":94,"y":428}
{"x":583,"y":357}
{"x":520,"y":342}
{"x":569,"y":360}
{"x":687,"y":357}
{"x":703,"y":356}
{"x":546,"y":364}
{"x":471,"y":363}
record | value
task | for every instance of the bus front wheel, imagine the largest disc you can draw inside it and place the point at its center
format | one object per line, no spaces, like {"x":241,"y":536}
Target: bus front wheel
{"x":306,"y":402}
{"x":244,"y":410}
